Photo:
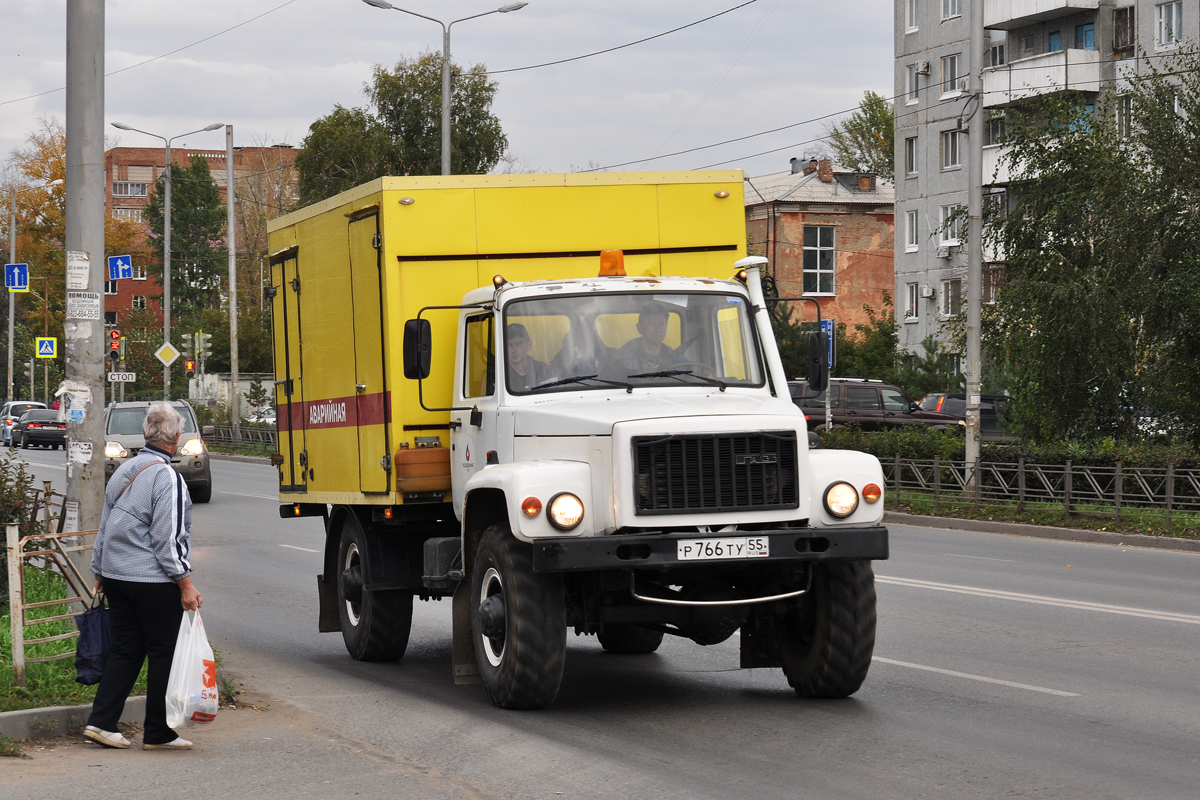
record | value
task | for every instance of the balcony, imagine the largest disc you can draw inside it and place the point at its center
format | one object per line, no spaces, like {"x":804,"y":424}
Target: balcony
{"x":995,"y":173}
{"x":1008,"y":15}
{"x":1075,"y":70}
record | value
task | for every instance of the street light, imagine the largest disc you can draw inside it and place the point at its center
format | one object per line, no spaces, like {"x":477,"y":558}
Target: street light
{"x":446,"y":63}
{"x":166,"y":301}
{"x":12,"y":259}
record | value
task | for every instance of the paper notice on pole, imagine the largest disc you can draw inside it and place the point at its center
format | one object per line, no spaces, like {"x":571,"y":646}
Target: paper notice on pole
{"x":79,"y":269}
{"x":79,"y":452}
{"x":70,"y":516}
{"x":84,"y":305}
{"x":74,"y":398}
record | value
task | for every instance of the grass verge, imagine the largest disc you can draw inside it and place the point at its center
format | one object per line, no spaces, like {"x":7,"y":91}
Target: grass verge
{"x":10,"y":748}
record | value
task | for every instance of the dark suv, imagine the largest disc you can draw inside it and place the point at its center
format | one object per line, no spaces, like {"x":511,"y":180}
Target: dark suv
{"x":992,"y":420}
{"x":869,"y":404}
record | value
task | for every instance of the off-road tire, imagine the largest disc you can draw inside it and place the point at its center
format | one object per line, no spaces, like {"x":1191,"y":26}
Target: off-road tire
{"x":629,"y":640}
{"x":829,"y":634}
{"x":524,"y":669}
{"x":377,"y":628}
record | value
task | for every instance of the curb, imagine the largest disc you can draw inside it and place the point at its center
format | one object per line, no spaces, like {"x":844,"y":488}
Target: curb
{"x":235,"y":457}
{"x":1045,"y":532}
{"x":45,"y":723}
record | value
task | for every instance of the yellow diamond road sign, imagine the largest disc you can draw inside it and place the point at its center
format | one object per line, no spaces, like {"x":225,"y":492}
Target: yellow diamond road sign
{"x":167,"y":354}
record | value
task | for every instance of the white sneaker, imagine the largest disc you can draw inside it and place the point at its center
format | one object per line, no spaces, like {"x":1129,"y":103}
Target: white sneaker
{"x":106,"y":738}
{"x":178,"y":744}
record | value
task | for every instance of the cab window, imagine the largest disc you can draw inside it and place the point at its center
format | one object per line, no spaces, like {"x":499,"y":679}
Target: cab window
{"x":862,"y":398}
{"x":894,"y":401}
{"x":479,"y":373}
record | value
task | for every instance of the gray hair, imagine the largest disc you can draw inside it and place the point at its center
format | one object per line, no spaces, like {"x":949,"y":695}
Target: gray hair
{"x":162,"y":424}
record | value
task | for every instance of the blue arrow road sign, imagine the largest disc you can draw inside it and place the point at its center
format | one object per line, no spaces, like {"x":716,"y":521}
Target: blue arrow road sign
{"x":47,"y":347}
{"x":16,"y":277}
{"x":120,"y":267}
{"x":827,"y":328}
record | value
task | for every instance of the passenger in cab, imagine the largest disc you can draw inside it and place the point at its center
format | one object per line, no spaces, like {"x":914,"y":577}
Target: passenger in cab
{"x":524,"y":372}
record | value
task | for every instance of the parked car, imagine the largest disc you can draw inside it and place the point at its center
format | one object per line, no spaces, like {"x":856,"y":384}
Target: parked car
{"x":123,"y":438}
{"x":992,"y":419}
{"x":11,"y":412}
{"x":262,"y":416}
{"x":40,"y":427}
{"x":869,"y":404}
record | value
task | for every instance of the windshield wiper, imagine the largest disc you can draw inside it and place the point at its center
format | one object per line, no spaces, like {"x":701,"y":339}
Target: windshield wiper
{"x":675,"y":373}
{"x":628,"y":387}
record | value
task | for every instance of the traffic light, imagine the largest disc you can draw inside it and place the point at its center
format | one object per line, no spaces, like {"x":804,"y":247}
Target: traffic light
{"x":188,"y":346}
{"x":114,"y":344}
{"x":189,"y":368}
{"x":205,"y":345}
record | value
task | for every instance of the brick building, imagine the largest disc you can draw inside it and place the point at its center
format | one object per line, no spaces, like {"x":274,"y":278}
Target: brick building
{"x":827,"y":232}
{"x":264,"y":179}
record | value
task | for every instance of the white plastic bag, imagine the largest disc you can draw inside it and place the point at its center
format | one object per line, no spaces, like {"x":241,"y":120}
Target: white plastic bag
{"x":192,"y":688}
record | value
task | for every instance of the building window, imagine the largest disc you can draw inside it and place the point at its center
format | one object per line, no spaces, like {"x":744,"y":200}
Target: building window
{"x":912,"y":234}
{"x":995,"y":204}
{"x":910,"y":15}
{"x":1028,"y":47}
{"x":1125,"y":116}
{"x":910,"y":84}
{"x":139,"y":272}
{"x":127,"y":189}
{"x":1054,"y":42}
{"x":951,"y":8}
{"x":1085,"y":36}
{"x":951,"y":152}
{"x":996,"y":55}
{"x":110,"y":287}
{"x":128,"y":214}
{"x":951,"y":75}
{"x":818,"y":259}
{"x":992,"y":274}
{"x":951,"y":297}
{"x":139,"y":302}
{"x":1170,"y":24}
{"x":993,"y":131}
{"x":910,"y":155}
{"x":1123,"y":28}
{"x":110,"y":318}
{"x":911,"y":292}
{"x":951,"y":224}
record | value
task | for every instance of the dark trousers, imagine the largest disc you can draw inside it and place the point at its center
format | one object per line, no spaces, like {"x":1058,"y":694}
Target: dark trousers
{"x":145,"y":622}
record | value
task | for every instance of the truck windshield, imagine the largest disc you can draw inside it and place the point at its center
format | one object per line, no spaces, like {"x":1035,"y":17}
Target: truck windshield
{"x":607,"y":340}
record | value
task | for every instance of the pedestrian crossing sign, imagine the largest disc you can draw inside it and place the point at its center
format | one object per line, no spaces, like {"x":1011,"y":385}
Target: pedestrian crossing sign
{"x":47,"y":347}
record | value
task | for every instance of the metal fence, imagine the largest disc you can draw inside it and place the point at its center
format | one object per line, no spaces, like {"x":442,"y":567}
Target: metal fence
{"x":1072,"y":487}
{"x":253,"y":434}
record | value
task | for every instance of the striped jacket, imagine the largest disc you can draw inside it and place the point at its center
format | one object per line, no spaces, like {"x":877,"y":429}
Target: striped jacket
{"x":145,"y":534}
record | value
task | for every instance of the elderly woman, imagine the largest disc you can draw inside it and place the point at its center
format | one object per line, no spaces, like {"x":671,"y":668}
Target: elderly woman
{"x":142,"y":567}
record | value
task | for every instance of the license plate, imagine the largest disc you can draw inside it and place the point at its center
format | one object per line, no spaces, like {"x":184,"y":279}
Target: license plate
{"x":739,"y":547}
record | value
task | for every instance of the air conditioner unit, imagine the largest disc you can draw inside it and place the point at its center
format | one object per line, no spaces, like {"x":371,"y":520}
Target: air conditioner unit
{"x":922,"y":67}
{"x":964,"y":84}
{"x":927,"y":291}
{"x":943,"y":251}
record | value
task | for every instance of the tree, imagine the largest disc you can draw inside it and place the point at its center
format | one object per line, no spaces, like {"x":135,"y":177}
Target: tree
{"x":865,"y":141}
{"x":198,"y":255}
{"x":401,"y":133}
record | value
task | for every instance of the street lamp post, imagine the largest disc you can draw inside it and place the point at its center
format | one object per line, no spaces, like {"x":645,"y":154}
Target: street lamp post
{"x":12,"y":259}
{"x":446,"y":63}
{"x":166,"y":301}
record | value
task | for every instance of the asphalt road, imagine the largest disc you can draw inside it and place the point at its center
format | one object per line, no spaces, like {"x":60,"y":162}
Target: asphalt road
{"x":1005,"y":667}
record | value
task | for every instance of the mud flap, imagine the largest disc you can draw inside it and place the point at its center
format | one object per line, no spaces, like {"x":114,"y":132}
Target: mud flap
{"x":328,"y":620}
{"x":466,"y":671}
{"x":760,"y":640}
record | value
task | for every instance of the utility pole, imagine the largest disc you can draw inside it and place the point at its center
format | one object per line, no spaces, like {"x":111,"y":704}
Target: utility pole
{"x":974,"y":241}
{"x":84,"y":326}
{"x":233,"y":308}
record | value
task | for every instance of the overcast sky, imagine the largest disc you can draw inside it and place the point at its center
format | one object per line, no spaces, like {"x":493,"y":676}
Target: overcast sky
{"x":768,"y":64}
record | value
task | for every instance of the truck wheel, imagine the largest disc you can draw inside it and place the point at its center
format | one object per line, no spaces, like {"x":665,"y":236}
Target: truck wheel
{"x":830,"y":633}
{"x":519,"y":622}
{"x":375,"y":624}
{"x":629,"y":640}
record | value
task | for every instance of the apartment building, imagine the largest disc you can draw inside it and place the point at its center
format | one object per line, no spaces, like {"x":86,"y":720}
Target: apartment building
{"x":827,"y":232}
{"x":1032,"y":48}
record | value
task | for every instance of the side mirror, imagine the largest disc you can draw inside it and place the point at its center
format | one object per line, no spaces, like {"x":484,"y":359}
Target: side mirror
{"x":208,"y":430}
{"x":418,"y":348}
{"x":818,"y":368}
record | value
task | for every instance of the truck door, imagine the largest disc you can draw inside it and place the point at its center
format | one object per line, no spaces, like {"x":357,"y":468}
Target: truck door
{"x":370,"y":391}
{"x":475,"y":388}
{"x":289,"y":387}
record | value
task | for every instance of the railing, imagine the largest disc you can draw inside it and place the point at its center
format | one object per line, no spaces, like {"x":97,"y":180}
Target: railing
{"x":253,"y":434}
{"x":1072,"y":487}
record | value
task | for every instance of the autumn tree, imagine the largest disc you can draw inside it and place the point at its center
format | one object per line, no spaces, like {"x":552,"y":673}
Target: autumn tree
{"x":865,"y":141}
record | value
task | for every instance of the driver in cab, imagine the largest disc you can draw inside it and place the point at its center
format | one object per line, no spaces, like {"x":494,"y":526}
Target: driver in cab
{"x":648,"y":352}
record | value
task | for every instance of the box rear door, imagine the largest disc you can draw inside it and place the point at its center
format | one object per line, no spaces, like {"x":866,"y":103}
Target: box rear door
{"x":289,"y":387}
{"x":372,"y":402}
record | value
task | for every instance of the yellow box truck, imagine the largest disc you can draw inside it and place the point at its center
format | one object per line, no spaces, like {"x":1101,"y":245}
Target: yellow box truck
{"x":557,"y":400}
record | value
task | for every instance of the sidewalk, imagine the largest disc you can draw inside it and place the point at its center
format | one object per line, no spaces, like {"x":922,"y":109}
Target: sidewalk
{"x":1043,"y":531}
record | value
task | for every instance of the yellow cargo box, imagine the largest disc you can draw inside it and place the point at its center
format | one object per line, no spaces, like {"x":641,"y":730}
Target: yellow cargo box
{"x":347,"y":272}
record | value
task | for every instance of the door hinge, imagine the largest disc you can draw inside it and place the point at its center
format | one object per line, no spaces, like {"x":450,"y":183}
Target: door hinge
{"x":377,"y":240}
{"x":296,"y":284}
{"x":385,"y":464}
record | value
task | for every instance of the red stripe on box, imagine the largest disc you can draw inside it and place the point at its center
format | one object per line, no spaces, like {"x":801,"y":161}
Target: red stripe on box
{"x":336,"y":412}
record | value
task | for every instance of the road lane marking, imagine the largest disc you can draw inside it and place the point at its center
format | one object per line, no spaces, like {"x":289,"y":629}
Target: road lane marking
{"x":294,"y":547}
{"x":40,"y":464}
{"x":971,"y":677}
{"x":256,"y":496}
{"x":980,"y":558}
{"x":1081,"y":605}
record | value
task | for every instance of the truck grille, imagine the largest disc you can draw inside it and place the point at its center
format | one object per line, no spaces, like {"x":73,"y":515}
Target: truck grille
{"x":715,"y":472}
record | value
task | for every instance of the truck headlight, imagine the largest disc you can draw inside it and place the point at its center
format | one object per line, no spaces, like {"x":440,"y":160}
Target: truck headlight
{"x":565,"y":511}
{"x":114,"y":450}
{"x":841,"y":499}
{"x":192,"y":447}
